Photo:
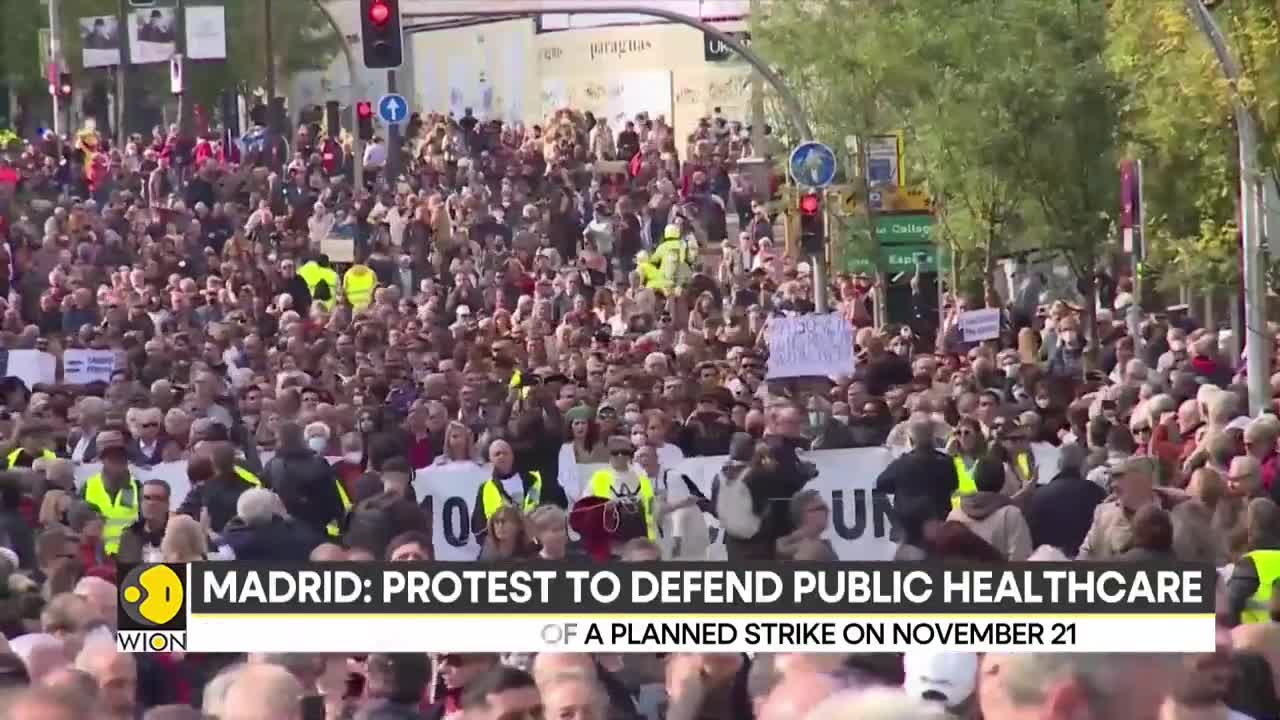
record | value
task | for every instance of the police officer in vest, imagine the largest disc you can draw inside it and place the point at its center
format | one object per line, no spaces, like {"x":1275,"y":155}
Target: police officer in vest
{"x":505,"y":487}
{"x":113,"y":491}
{"x":34,"y":443}
{"x":629,"y":488}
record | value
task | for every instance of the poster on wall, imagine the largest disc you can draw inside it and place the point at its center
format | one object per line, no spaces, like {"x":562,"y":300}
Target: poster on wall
{"x":99,"y":41}
{"x":206,"y":33}
{"x":152,"y":35}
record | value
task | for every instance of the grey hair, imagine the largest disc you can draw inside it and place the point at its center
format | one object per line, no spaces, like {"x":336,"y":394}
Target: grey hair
{"x":318,"y":428}
{"x":599,"y":697}
{"x":215,"y":692}
{"x":257,"y":505}
{"x":548,"y":516}
{"x":876,"y":704}
{"x":1101,"y":676}
{"x":921,"y":433}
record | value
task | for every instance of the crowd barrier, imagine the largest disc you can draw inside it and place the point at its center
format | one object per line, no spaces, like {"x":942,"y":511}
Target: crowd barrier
{"x":860,"y":522}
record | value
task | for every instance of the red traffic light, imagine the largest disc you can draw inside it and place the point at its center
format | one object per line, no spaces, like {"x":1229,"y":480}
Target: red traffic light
{"x":364,"y":109}
{"x":379,"y":13}
{"x":810,"y":204}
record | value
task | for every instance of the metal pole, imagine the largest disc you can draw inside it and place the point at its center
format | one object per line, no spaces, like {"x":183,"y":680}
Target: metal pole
{"x":184,"y":107}
{"x":393,"y":139}
{"x":122,"y":75}
{"x":1257,"y":356}
{"x":759,"y":147}
{"x":269,"y":49}
{"x":273,"y":122}
{"x":54,"y":66}
{"x":353,"y":94}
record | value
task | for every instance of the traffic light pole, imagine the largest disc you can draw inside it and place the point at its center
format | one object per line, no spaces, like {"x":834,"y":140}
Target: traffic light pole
{"x":54,"y":67}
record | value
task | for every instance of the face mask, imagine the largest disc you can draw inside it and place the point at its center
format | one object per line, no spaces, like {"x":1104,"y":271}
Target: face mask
{"x":1011,"y":371}
{"x":632,"y":417}
{"x":353,"y":457}
{"x":815,"y":419}
{"x":317,"y":444}
{"x":1042,"y":403}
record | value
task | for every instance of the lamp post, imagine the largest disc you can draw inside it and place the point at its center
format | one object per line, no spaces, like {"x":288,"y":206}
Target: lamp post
{"x":1256,"y":350}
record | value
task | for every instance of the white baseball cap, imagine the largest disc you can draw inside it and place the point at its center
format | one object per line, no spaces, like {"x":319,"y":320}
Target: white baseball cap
{"x":947,"y":677}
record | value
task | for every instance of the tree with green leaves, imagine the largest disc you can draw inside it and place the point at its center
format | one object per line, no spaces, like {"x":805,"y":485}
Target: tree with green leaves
{"x":1008,"y":110}
{"x":1179,"y":120}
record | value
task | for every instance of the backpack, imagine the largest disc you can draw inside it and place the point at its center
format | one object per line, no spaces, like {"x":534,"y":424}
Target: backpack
{"x":734,"y":506}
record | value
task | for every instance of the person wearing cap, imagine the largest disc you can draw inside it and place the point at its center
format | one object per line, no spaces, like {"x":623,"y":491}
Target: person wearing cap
{"x":1111,"y":532}
{"x":358,"y":283}
{"x":113,"y":490}
{"x":33,"y":442}
{"x":948,"y":678}
{"x":506,"y":486}
{"x":624,"y":483}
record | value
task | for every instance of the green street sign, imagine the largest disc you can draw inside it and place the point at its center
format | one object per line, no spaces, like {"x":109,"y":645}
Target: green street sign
{"x":902,"y":258}
{"x":903,"y":229}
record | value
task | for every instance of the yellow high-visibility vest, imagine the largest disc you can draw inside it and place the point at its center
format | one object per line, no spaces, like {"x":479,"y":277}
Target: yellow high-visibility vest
{"x":602,"y":487}
{"x":248,"y":477}
{"x":491,"y":497}
{"x":359,"y":282}
{"x":965,"y":484}
{"x":312,"y":273}
{"x":332,"y":528}
{"x":1024,"y":466}
{"x":118,"y":512}
{"x":1267,"y":562}
{"x":13,"y":456}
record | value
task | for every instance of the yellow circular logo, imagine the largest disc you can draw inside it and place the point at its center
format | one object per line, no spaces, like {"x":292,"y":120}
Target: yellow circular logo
{"x":152,"y":595}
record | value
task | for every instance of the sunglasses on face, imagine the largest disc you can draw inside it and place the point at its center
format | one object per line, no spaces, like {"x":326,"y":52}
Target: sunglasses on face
{"x":623,"y":453}
{"x":155,"y":498}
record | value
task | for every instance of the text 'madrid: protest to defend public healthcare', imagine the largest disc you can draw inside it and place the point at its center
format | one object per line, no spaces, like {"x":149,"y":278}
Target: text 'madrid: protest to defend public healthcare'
{"x":1034,"y":588}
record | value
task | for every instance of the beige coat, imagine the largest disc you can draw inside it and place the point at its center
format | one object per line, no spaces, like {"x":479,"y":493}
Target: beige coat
{"x":991,"y":517}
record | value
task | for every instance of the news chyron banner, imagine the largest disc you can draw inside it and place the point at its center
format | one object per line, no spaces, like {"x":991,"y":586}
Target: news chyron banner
{"x":643,"y":607}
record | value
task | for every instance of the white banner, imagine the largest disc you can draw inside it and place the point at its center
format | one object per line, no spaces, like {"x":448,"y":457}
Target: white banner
{"x":32,"y":367}
{"x":810,"y":345}
{"x":978,"y":325}
{"x":80,"y":367}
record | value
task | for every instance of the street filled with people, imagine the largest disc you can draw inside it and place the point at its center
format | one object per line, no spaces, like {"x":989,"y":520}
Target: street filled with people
{"x":562,"y":326}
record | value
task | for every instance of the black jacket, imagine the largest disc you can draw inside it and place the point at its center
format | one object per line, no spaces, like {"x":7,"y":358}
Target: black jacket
{"x":921,"y":473}
{"x":219,"y":495}
{"x":1060,"y":513}
{"x":788,"y":478}
{"x":280,"y":540}
{"x":18,"y":536}
{"x":134,"y":539}
{"x":307,"y":486}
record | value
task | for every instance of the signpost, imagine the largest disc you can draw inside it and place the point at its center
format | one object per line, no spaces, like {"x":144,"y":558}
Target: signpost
{"x":393,"y":109}
{"x":813,"y":165}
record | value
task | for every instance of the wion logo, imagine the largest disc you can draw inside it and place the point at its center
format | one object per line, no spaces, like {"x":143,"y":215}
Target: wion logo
{"x":152,"y":605}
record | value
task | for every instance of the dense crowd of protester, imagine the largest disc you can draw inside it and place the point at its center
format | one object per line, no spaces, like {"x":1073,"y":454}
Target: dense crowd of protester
{"x":545,"y":299}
